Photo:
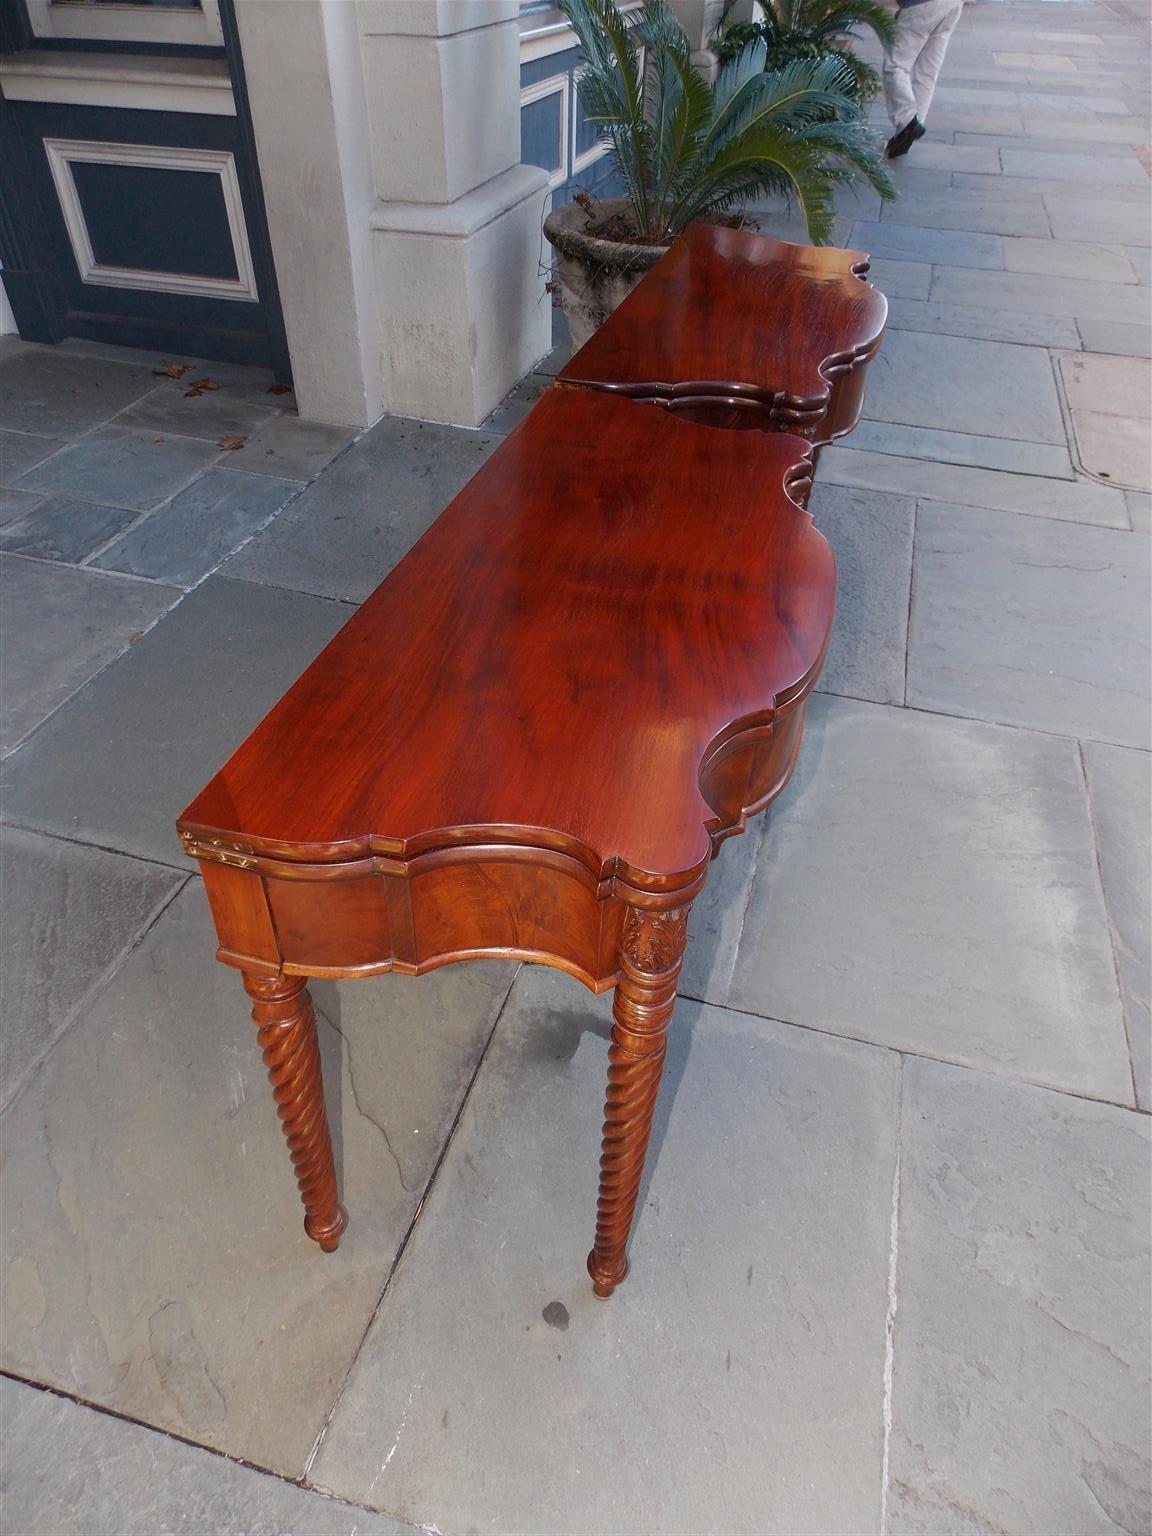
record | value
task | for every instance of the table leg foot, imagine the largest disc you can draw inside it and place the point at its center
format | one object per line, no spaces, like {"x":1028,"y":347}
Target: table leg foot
{"x":283,"y":1014}
{"x":603,"y":1281}
{"x":651,"y":953}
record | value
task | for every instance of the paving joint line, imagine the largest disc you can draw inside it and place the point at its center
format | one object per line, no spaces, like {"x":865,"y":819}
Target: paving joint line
{"x":310,"y":1460}
{"x":197,"y":1445}
{"x":115,"y":966}
{"x":911,"y":601}
{"x":1113,"y":945}
{"x":908,"y":1051}
{"x":893,"y":1303}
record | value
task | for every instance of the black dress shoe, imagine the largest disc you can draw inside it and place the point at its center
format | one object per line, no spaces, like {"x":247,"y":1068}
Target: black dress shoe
{"x":900,"y":143}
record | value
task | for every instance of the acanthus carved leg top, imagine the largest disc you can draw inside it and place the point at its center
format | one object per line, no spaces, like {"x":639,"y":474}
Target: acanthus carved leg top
{"x":651,"y":953}
{"x":283,"y":1013}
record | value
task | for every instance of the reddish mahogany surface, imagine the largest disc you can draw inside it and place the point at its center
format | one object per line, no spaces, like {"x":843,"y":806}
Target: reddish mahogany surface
{"x":614,"y":594}
{"x":737,"y":328}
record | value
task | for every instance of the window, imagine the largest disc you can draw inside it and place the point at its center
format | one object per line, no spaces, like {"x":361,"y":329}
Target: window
{"x":193,"y":23}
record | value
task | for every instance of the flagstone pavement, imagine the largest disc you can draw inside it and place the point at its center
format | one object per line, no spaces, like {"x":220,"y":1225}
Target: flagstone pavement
{"x":891,"y":1266}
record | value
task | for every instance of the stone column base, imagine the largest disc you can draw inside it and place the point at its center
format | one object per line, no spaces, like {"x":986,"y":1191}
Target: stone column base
{"x":457,"y":326}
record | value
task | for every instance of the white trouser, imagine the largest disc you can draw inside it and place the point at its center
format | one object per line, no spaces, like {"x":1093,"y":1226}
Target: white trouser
{"x":913,"y":63}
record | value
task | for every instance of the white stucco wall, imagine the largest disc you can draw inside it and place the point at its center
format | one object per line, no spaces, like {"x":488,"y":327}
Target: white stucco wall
{"x":404,"y":230}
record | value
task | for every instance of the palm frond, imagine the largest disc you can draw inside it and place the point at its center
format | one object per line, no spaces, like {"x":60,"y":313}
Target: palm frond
{"x":800,"y":92}
{"x":611,"y":91}
{"x":767,"y":157}
{"x":826,"y":19}
{"x":734,"y":76}
{"x":687,"y":151}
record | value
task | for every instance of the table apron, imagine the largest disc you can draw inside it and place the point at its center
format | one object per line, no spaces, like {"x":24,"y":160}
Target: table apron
{"x":374,"y":915}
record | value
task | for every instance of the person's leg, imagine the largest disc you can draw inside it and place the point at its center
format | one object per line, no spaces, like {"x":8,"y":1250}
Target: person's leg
{"x":899,"y":60}
{"x":926,"y":68}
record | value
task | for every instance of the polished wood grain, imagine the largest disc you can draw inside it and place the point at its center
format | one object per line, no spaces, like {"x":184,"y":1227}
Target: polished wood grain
{"x":529,"y":742}
{"x":740,"y":330}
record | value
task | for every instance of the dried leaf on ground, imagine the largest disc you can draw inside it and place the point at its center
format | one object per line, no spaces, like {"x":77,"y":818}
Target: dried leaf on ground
{"x":172,"y":371}
{"x":279,"y":389}
{"x":193,"y":394}
{"x":203,"y":384}
{"x":233,"y":440}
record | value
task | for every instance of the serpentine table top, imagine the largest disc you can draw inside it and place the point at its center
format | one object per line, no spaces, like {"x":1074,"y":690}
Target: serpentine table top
{"x":529,"y":742}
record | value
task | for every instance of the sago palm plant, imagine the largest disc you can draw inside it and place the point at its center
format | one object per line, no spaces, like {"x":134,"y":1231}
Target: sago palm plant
{"x":686,"y":150}
{"x":793,"y":29}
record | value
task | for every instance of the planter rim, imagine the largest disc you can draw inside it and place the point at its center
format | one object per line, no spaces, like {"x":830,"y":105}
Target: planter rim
{"x":566,"y":229}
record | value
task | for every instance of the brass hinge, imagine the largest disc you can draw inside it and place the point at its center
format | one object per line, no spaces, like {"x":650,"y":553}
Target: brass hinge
{"x":221,"y":850}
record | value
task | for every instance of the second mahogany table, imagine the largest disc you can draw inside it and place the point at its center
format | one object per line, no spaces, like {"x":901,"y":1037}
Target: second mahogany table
{"x":529,"y":742}
{"x":740,"y":330}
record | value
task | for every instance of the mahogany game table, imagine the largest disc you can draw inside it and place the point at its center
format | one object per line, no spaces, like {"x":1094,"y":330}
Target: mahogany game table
{"x":529,"y":742}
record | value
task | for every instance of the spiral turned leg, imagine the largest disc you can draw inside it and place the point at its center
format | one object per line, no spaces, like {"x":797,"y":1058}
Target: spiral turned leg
{"x":282,"y":1012}
{"x":651,"y":952}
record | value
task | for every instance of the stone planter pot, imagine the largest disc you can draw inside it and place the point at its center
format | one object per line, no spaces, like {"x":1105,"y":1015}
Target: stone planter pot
{"x":596,"y":276}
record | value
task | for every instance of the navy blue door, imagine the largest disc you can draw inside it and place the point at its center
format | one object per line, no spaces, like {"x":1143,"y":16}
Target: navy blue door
{"x":143,"y":228}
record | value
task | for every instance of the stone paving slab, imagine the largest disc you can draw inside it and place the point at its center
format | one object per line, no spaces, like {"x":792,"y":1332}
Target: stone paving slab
{"x":211,"y":415}
{"x":1121,"y":386}
{"x":930,"y":884}
{"x":957,"y":119}
{"x":70,"y":914}
{"x":974,"y":96}
{"x":120,"y":762}
{"x":1078,"y":218}
{"x":1044,"y":61}
{"x":171,"y":408}
{"x":902,"y":279}
{"x":986,"y":387}
{"x":560,"y":354}
{"x":1094,"y":170}
{"x":1038,"y":146}
{"x":346,"y":532}
{"x":59,"y":528}
{"x":1122,"y":340}
{"x":58,"y":627}
{"x":974,"y":321}
{"x":731,"y":1384}
{"x":1116,"y":302}
{"x":1069,"y":258}
{"x":1120,"y":786}
{"x":1020,"y":1382}
{"x":980,"y":212}
{"x":1139,"y":505}
{"x":291,"y":449}
{"x":958,"y":157}
{"x":15,"y":505}
{"x":871,"y":536}
{"x":19,"y":451}
{"x":201,"y":526}
{"x":908,"y":242}
{"x":1114,"y":447}
{"x":1084,"y":501}
{"x":1063,"y":128}
{"x":57,"y":394}
{"x":71,"y":1471}
{"x":718,"y":915}
{"x":1031,"y":621}
{"x":1007,"y":454}
{"x":156,"y":1261}
{"x":122,"y":468}
{"x":517,"y":403}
